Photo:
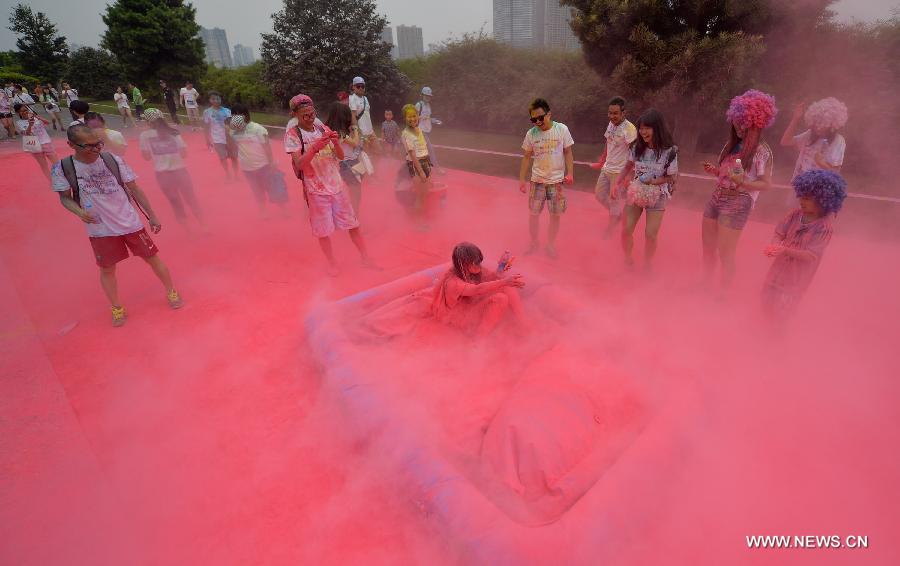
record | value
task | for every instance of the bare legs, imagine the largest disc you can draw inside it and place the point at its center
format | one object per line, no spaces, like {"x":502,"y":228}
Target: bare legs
{"x":357,"y":238}
{"x":44,"y":160}
{"x":719,"y":242}
{"x":111,"y":285}
{"x":651,"y":233}
{"x":534,"y":232}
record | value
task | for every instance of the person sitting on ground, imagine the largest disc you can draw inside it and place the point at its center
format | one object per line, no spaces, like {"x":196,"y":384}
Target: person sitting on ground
{"x":113,"y":140}
{"x":474,"y":300}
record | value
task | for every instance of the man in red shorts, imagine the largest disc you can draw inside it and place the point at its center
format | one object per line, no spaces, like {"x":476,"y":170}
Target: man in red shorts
{"x":102,"y":203}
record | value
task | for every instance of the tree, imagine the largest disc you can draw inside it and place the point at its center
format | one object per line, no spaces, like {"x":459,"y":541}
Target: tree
{"x":42,"y":52}
{"x":318,"y":46}
{"x":682,"y":57}
{"x":95,"y":72}
{"x":244,"y":85}
{"x":155,"y":39}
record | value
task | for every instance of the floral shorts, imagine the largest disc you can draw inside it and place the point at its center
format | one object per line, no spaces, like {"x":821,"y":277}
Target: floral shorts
{"x":552,"y":195}
{"x":732,"y":210}
{"x":327,"y":212}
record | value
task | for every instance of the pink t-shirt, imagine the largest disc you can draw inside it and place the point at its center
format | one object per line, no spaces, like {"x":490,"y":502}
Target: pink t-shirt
{"x":761,"y":162}
{"x":450,"y":306}
{"x":323,"y":174}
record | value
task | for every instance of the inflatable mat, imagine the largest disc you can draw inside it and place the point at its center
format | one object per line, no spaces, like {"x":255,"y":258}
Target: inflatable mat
{"x":547,"y":471}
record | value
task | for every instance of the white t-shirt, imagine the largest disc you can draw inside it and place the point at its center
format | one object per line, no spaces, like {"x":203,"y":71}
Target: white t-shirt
{"x":37,"y":129}
{"x":71,"y":95}
{"x":548,"y":147}
{"x":618,"y":145}
{"x":833,"y":152}
{"x":102,"y":196}
{"x":115,"y":137}
{"x":165,"y":151}
{"x":361,"y":104}
{"x":121,"y":100}
{"x":323,"y":174}
{"x":5,"y":103}
{"x":190,"y":97}
{"x":251,"y":144}
{"x":23,"y":98}
{"x":762,"y":161}
{"x":424,"y":110}
{"x":414,"y":141}
{"x":655,"y":165}
{"x":215,"y":119}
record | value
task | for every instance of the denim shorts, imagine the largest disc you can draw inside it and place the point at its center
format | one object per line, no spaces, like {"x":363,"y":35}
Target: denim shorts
{"x":730,"y":208}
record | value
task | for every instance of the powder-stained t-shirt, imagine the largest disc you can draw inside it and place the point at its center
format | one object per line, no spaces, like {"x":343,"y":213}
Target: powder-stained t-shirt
{"x":251,"y":144}
{"x":121,"y":100}
{"x":548,"y":148}
{"x":618,"y":145}
{"x":323,"y":174}
{"x":762,"y":162}
{"x":164,"y":150}
{"x":37,"y":129}
{"x":215,"y":119}
{"x":102,"y":196}
{"x":792,"y":274}
{"x":415,"y":142}
{"x":832,"y":152}
{"x":655,"y":165}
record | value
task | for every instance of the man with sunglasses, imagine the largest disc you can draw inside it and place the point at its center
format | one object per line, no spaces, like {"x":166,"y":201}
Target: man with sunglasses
{"x":104,"y":201}
{"x":550,"y":144}
{"x":362,"y":113}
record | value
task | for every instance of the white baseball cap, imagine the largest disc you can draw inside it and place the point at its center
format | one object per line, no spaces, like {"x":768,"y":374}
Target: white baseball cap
{"x":358,"y":81}
{"x":426,"y":91}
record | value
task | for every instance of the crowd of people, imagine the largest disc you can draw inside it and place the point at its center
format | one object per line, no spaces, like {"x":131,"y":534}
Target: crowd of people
{"x":637,"y":176}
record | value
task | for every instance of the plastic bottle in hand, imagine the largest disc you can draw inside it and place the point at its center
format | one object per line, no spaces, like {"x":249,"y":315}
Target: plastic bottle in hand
{"x":646,"y":177}
{"x":738,"y":167}
{"x":504,"y":262}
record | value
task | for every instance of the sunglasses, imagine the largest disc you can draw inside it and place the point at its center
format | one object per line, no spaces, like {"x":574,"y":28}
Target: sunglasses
{"x":93,"y":146}
{"x":536,"y":119}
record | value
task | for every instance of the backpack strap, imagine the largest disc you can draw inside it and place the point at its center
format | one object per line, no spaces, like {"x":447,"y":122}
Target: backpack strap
{"x":363,"y":111}
{"x":67,"y":165}
{"x":110,"y":161}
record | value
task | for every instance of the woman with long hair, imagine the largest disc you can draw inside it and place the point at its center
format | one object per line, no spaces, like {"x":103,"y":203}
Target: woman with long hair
{"x":648,"y":176}
{"x":124,"y":109}
{"x":51,"y":104}
{"x":744,"y":169}
{"x":340,"y":119}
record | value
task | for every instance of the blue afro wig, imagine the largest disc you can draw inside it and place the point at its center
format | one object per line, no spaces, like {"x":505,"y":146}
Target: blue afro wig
{"x":827,"y":188}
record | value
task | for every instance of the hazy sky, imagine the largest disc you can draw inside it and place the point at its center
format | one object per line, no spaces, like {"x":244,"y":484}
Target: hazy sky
{"x":79,"y":20}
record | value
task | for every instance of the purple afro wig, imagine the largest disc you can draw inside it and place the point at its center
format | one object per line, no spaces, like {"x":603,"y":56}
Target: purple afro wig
{"x":829,"y":113}
{"x":753,"y":110}
{"x":827,"y":188}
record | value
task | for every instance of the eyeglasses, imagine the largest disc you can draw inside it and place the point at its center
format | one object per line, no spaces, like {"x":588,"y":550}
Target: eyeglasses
{"x":308,"y":115}
{"x":536,"y":119}
{"x":92,"y":146}
{"x":359,"y":86}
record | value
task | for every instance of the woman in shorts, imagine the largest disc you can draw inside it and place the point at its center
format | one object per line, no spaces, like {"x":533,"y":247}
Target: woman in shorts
{"x":738,"y":185}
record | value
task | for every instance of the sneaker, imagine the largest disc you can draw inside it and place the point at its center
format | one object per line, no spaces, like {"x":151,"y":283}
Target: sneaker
{"x":118,"y":316}
{"x":175,"y":300}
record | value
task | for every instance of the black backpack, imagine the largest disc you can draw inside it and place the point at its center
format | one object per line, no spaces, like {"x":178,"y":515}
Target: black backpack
{"x":68,"y":168}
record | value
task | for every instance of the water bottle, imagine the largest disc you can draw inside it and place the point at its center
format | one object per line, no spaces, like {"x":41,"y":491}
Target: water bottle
{"x":504,"y":261}
{"x":88,"y":207}
{"x":738,"y":167}
{"x":646,"y":178}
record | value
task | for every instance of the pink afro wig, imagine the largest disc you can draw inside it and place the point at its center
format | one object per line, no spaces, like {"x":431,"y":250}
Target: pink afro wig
{"x":754,"y":110}
{"x":829,"y":113}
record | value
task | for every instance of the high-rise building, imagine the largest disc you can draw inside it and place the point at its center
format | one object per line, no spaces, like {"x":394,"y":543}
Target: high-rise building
{"x":216,"y":44}
{"x":542,"y":24}
{"x":387,"y":36}
{"x":243,"y":55}
{"x":409,"y":42}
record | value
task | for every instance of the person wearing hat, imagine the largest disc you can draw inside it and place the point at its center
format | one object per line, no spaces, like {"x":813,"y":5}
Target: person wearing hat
{"x":316,"y":155}
{"x":362,"y":113}
{"x":423,"y":106}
